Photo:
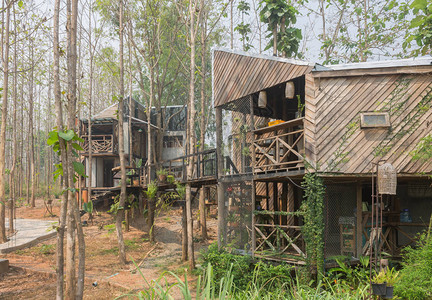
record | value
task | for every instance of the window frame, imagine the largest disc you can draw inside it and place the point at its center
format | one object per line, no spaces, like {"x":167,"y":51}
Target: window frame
{"x":363,"y":124}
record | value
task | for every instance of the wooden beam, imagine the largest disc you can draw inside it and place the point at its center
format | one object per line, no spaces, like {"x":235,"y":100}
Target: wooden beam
{"x":359,"y":212}
{"x":220,"y":185}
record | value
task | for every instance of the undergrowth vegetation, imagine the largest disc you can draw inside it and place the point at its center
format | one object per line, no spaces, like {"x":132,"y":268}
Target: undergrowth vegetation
{"x":416,"y":274}
{"x":224,"y":274}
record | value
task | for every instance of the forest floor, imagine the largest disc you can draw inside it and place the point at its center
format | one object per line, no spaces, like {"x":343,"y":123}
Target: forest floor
{"x":32,"y":272}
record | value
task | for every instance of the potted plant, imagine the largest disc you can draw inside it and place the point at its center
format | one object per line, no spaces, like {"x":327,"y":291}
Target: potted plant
{"x":392,"y":276}
{"x":162,"y":174}
{"x":233,"y":220}
{"x":379,"y":283}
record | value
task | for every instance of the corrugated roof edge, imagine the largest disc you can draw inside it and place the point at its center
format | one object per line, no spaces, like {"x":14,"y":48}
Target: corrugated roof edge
{"x":408,"y":62}
{"x":263,"y":56}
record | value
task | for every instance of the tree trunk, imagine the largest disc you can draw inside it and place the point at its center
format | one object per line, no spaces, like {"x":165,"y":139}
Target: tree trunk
{"x":59,"y":122}
{"x":193,"y":9}
{"x":150,"y":221}
{"x":14,"y":137}
{"x":184,"y":234}
{"x":74,"y":288}
{"x":90,"y":102}
{"x":123,"y":195}
{"x":203,"y":223}
{"x":31,"y":138}
{"x":5,"y":47}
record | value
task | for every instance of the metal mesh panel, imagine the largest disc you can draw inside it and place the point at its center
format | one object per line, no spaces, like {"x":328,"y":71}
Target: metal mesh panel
{"x":237,"y":136}
{"x":239,"y":216}
{"x":339,"y":210}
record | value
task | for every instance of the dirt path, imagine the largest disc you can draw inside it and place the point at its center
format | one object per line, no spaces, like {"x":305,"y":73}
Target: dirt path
{"x":102,"y":266}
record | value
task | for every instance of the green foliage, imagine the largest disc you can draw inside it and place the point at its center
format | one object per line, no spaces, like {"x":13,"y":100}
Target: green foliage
{"x":313,"y":228}
{"x":110,"y":228}
{"x":380,"y":277}
{"x":151,"y":191}
{"x":246,"y":273}
{"x":269,"y":277}
{"x":415,"y":278}
{"x":170,"y":179}
{"x":88,"y":207}
{"x":275,"y":13}
{"x":223,"y":260}
{"x":422,"y":25}
{"x":423,"y":150}
{"x":115,"y":207}
{"x":392,"y":277}
{"x":70,"y":139}
{"x":161,"y":171}
{"x":244,"y":29}
{"x":265,"y":282}
{"x":181,"y":190}
{"x":355,"y":277}
{"x":357,"y":32}
{"x":47,"y":249}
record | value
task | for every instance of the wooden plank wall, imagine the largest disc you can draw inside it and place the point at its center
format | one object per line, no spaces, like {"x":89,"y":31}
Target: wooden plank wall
{"x":236,"y":75}
{"x":336,"y":143}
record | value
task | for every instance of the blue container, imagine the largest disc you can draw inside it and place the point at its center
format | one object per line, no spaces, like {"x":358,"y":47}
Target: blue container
{"x":405,"y":216}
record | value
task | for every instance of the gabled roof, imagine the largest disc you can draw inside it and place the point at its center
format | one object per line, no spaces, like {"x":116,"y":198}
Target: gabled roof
{"x":237,"y":74}
{"x":111,"y":111}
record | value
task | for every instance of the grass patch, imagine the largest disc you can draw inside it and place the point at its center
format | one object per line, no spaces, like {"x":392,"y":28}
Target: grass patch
{"x":44,"y":249}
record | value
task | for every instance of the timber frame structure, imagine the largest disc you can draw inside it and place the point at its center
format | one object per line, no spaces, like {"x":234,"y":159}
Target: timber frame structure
{"x":104,"y":144}
{"x":278,"y":119}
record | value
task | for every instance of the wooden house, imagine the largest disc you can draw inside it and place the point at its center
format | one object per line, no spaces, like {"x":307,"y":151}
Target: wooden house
{"x":104,"y":143}
{"x":278,"y":119}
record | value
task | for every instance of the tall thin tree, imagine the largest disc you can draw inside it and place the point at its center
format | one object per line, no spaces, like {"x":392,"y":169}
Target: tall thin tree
{"x":122,"y":200}
{"x":5,"y":48}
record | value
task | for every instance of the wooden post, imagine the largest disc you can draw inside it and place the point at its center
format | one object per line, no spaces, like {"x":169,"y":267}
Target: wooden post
{"x":253,"y":242}
{"x":220,"y":186}
{"x":359,"y":218}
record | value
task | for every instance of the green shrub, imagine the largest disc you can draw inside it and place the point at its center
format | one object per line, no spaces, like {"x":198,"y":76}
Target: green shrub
{"x":222,"y":260}
{"x":246,"y":273}
{"x":270,"y":277}
{"x":416,"y":275}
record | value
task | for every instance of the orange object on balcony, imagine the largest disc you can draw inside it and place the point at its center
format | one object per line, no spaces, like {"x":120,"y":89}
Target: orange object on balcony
{"x":275,"y":122}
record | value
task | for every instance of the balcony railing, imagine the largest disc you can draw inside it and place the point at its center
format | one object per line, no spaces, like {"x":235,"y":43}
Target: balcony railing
{"x":99,"y":144}
{"x":204,"y":167}
{"x":279,"y":147}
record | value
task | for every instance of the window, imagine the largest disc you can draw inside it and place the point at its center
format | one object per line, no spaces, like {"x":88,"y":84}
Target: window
{"x":173,"y":141}
{"x":374,"y":120}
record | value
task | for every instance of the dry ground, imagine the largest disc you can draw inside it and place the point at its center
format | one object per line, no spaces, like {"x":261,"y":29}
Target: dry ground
{"x":33,"y":273}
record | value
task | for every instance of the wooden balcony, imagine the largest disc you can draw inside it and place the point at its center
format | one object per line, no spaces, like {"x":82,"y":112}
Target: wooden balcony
{"x":101,"y":144}
{"x":279,"y":147}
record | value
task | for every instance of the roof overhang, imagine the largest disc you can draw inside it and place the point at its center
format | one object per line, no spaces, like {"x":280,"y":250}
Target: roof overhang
{"x":237,"y":74}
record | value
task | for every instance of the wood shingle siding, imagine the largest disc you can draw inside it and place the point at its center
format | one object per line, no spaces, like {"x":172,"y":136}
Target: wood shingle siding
{"x":334,"y":140}
{"x":237,"y":74}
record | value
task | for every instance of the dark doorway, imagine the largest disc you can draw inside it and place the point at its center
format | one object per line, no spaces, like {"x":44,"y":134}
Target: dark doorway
{"x":108,"y":164}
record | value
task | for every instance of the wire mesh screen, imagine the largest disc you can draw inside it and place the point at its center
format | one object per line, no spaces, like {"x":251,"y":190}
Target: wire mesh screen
{"x":239,"y":216}
{"x":237,"y":136}
{"x":340,"y":220}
